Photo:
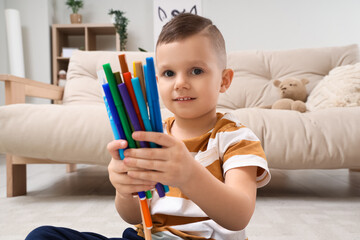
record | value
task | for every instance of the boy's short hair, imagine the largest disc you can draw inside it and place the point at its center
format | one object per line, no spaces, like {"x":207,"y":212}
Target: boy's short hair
{"x":186,"y":25}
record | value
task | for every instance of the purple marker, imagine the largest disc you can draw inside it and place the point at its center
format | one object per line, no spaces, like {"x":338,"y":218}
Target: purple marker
{"x":160,"y":189}
{"x":131,"y":111}
{"x":135,"y":122}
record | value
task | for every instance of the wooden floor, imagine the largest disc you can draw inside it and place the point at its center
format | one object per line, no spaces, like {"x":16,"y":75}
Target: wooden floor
{"x":296,"y":204}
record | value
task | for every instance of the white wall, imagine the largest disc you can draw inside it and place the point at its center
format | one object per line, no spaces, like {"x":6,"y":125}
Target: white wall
{"x":245,"y":24}
{"x":285,"y":24}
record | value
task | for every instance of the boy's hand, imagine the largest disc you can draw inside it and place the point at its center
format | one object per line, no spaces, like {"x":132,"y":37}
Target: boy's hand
{"x":171,"y":165}
{"x":124,"y":184}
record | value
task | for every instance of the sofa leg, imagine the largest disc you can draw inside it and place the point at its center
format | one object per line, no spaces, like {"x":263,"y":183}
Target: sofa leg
{"x":71,"y":167}
{"x":16,"y":177}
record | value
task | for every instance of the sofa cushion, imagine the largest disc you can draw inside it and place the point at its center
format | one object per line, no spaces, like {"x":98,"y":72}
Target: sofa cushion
{"x":341,"y":88}
{"x":255,"y":72}
{"x":64,"y":133}
{"x":76,"y":133}
{"x":328,"y":138}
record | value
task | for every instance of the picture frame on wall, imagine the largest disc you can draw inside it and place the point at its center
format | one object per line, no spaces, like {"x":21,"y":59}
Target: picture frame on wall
{"x":165,"y":10}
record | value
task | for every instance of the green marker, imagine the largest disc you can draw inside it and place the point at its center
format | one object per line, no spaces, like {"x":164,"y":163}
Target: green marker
{"x":118,"y":78}
{"x":148,"y":194}
{"x":119,"y":104}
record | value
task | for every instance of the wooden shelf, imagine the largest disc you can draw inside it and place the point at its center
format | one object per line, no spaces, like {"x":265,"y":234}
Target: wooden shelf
{"x":63,"y":58}
{"x":81,"y":36}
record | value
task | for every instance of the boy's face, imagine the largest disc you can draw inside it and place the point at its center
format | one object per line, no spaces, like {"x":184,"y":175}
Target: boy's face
{"x":189,"y":76}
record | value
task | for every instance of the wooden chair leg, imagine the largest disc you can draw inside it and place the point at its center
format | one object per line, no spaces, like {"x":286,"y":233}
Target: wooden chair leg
{"x":16,"y":177}
{"x":71,"y":167}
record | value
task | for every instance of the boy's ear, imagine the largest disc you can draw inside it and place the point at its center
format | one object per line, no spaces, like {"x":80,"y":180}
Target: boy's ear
{"x":227,"y":76}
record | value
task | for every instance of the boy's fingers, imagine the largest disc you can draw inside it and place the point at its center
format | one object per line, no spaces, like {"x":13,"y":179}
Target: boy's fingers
{"x":146,"y":153}
{"x":125,"y":179}
{"x":114,"y":146}
{"x":117,"y":144}
{"x":119,"y":167}
{"x":138,"y":188}
{"x":146,"y":175}
{"x":142,"y":164}
{"x":155,"y":137}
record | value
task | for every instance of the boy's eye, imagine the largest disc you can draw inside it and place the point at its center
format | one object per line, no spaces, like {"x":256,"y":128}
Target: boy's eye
{"x":169,"y":73}
{"x":197,"y":71}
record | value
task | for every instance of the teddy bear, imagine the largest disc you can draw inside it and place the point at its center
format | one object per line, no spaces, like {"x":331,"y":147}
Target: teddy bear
{"x":293,"y":94}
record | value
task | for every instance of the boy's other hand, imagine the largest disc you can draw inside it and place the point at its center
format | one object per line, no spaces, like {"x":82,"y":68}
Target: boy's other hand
{"x":171,"y":165}
{"x":124,"y":184}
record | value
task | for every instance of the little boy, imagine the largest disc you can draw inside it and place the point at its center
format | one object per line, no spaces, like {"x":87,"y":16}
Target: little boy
{"x":211,"y":162}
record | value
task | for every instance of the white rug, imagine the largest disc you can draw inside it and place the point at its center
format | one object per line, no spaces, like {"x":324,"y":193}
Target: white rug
{"x":274,"y":218}
{"x":84,"y":213}
{"x":302,"y":204}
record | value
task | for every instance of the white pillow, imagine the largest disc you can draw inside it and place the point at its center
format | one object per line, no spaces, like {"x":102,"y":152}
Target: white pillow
{"x":340,"y":88}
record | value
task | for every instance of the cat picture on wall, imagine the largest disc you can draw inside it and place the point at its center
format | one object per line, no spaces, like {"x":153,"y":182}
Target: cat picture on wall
{"x":165,"y":10}
{"x":163,"y":16}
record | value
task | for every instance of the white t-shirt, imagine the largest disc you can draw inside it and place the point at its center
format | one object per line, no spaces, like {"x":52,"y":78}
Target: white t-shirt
{"x":228,"y":145}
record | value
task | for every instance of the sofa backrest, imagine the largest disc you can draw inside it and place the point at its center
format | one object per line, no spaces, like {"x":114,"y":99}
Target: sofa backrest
{"x":254,"y":72}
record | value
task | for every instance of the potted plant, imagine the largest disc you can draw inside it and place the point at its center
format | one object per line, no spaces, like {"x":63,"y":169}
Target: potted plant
{"x":120,"y":22}
{"x":75,"y":5}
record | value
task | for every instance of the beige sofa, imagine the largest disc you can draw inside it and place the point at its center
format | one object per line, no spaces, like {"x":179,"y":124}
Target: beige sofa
{"x":78,"y":130}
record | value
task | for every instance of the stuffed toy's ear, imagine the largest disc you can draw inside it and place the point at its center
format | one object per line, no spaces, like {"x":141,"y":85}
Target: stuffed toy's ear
{"x":276,"y":83}
{"x":304,"y":81}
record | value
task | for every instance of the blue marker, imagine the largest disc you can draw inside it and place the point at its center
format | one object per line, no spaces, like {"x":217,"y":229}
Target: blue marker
{"x":148,"y":96}
{"x":154,"y":104}
{"x":114,"y":117}
{"x":116,"y":127}
{"x":153,"y":99}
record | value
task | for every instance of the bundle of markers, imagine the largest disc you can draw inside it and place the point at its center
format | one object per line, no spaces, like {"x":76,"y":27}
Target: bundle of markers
{"x":128,"y":103}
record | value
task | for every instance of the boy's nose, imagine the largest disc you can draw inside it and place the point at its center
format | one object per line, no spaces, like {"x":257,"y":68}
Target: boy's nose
{"x":181,"y":82}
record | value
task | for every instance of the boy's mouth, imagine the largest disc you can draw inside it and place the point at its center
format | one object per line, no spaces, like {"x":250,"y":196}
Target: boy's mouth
{"x":181,"y":99}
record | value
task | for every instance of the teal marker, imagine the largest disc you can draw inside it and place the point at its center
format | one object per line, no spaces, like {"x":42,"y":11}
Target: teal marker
{"x":141,"y":103}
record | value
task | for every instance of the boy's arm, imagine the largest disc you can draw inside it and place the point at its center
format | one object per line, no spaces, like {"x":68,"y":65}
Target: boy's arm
{"x":230,"y":204}
{"x":128,"y":208}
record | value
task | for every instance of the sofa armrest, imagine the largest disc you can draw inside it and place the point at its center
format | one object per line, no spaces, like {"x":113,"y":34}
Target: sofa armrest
{"x":17,"y":88}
